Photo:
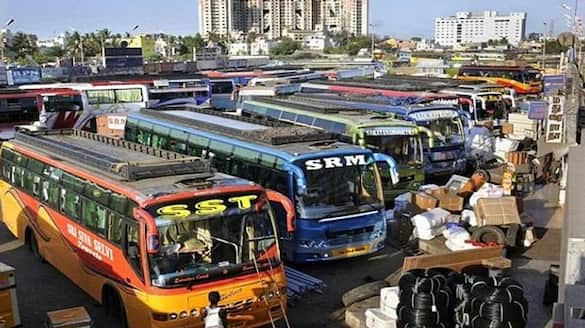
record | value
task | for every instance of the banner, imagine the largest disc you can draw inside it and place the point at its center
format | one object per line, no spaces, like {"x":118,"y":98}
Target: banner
{"x":537,"y":110}
{"x":555,"y":119}
{"x":553,"y":84}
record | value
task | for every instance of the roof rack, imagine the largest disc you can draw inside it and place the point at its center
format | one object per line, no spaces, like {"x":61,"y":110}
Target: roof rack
{"x":275,"y":133}
{"x":89,"y":149}
{"x":302,"y":103}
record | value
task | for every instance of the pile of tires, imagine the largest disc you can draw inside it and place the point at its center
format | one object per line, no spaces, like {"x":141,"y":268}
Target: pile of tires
{"x":439,"y":297}
{"x":426,"y":300}
{"x":498,"y":302}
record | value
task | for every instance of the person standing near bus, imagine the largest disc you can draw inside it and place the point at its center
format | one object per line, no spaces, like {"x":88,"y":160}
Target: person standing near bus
{"x":215,"y":317}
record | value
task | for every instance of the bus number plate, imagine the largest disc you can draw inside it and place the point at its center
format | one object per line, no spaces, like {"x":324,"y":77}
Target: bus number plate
{"x":352,"y":251}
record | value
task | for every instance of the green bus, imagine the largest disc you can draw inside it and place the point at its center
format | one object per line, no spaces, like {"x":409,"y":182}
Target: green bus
{"x":396,"y":138}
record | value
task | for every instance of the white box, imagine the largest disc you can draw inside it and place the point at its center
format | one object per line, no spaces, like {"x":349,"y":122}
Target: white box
{"x":389,"y":299}
{"x":376,"y":319}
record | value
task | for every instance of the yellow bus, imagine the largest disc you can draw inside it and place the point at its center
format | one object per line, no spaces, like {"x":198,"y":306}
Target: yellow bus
{"x":147,"y":233}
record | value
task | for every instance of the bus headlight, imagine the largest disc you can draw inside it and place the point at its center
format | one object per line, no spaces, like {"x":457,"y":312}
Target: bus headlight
{"x":378,"y":230}
{"x":173,"y":316}
{"x":194,"y":313}
{"x":183,"y":315}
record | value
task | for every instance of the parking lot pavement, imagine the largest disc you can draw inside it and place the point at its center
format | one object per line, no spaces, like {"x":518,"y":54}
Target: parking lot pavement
{"x":41,"y":288}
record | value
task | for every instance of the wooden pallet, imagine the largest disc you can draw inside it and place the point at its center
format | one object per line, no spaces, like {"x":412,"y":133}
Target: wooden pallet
{"x":487,"y":256}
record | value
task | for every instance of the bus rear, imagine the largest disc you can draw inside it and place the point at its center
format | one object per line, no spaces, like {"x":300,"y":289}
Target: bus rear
{"x":17,"y":108}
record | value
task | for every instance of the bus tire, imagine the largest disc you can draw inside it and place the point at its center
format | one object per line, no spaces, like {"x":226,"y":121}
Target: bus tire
{"x":32,"y":243}
{"x":114,"y":306}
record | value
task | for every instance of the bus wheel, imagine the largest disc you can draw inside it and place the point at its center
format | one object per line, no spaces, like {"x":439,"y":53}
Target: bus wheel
{"x":33,"y":244}
{"x":114,"y":306}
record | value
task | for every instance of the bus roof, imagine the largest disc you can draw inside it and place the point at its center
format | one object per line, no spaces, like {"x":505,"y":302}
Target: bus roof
{"x":497,"y":67}
{"x":348,"y":114}
{"x":140,"y":169}
{"x":469,"y":92}
{"x":285,"y":141}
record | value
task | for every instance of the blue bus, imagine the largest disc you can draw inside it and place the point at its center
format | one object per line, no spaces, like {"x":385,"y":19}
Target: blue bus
{"x":336,"y":187}
{"x":446,"y":155}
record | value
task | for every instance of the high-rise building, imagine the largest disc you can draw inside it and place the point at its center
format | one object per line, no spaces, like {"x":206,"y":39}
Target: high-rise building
{"x":272,"y":18}
{"x":467,"y":27}
{"x":215,"y":16}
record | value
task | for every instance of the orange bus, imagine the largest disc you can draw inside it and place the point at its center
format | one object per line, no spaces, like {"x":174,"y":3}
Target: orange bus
{"x":523,"y":79}
{"x":147,"y":233}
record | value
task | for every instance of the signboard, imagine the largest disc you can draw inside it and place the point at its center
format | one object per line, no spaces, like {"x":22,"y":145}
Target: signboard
{"x":24,"y":75}
{"x":391,"y":131}
{"x":116,"y":122}
{"x":436,"y":114}
{"x":123,"y":57}
{"x":537,"y":110}
{"x":553,"y":84}
{"x":555,"y":119}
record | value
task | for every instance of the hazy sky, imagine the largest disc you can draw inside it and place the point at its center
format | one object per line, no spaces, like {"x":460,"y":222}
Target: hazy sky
{"x":47,"y":18}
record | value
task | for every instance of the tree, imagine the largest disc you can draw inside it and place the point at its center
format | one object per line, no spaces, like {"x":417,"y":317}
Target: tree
{"x":554,"y":47}
{"x":286,"y":47}
{"x":55,"y":52}
{"x":416,"y":39}
{"x":23,"y":44}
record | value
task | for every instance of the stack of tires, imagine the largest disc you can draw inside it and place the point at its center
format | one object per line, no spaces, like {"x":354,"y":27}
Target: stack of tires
{"x":426,"y":300}
{"x":497,"y":302}
{"x":439,"y":297}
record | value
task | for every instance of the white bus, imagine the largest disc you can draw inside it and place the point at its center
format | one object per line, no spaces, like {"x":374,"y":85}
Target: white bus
{"x":105,"y":99}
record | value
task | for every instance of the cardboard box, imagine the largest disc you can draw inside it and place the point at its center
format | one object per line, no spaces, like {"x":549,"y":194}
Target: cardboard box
{"x":423,"y":200}
{"x":447,"y":200}
{"x":507,"y":128}
{"x":497,"y":211}
{"x":518,"y":157}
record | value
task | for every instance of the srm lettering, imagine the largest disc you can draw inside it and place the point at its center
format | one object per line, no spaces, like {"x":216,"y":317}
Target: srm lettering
{"x":333,"y":162}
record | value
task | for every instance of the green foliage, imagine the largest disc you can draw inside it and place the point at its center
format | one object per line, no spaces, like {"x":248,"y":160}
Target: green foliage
{"x":344,"y":43}
{"x":553,"y":47}
{"x":23,"y":44}
{"x":452,"y":71}
{"x":286,"y":47}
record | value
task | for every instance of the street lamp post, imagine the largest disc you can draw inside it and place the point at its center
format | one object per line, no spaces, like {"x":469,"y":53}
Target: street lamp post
{"x":373,"y":38}
{"x":544,"y":47}
{"x":2,"y":32}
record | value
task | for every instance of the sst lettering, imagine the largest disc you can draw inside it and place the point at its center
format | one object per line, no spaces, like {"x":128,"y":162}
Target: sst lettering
{"x":206,"y":207}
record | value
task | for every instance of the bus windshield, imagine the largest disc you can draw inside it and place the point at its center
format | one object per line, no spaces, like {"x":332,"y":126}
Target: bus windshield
{"x":404,"y":149}
{"x":225,"y":235}
{"x":343,"y":185}
{"x":446,"y":131}
{"x":493,"y":107}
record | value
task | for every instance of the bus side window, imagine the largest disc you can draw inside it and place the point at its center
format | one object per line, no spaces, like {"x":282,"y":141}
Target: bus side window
{"x":133,"y":246}
{"x":93,"y":216}
{"x":32,"y":183}
{"x":131,"y":129}
{"x":115,"y":228}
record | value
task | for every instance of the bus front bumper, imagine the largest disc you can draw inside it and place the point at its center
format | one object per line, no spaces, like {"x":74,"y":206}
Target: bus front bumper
{"x":328,"y":253}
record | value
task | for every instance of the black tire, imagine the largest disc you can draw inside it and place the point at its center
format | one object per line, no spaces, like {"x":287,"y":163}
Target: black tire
{"x":489,"y":234}
{"x":33,"y":246}
{"x":512,"y":235}
{"x":114,"y":307}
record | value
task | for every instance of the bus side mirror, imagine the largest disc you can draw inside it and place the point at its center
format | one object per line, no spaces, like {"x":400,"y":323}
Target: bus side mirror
{"x":288,"y":206}
{"x":388,"y":164}
{"x":152,"y":238}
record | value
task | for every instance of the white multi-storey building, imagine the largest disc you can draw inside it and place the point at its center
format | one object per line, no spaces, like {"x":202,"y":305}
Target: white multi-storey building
{"x":271,"y":18}
{"x":216,"y":16}
{"x":467,"y":27}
